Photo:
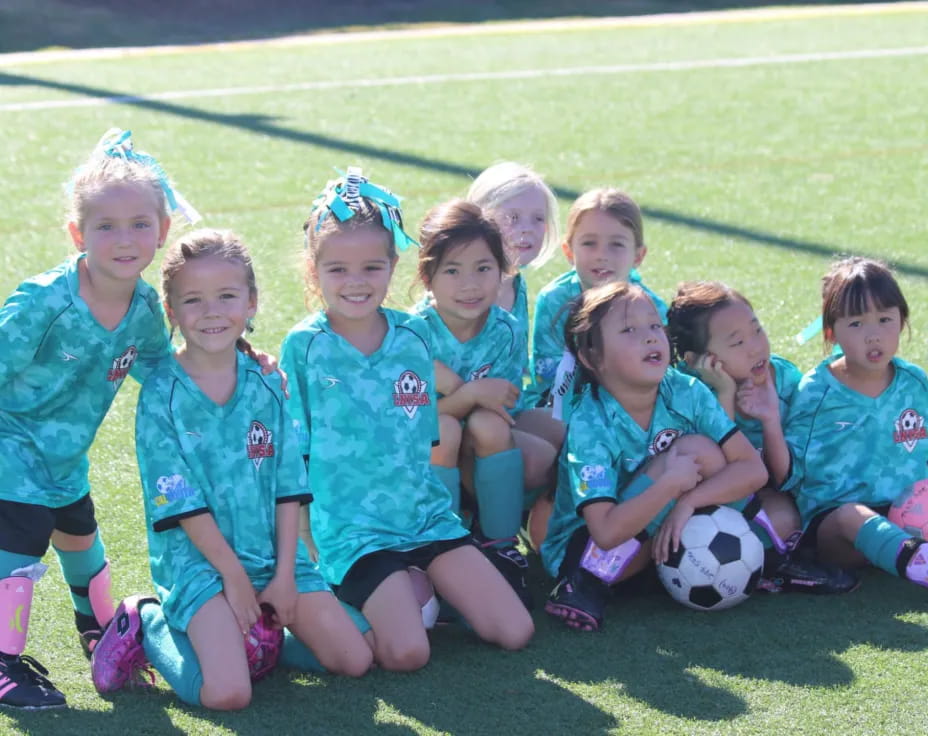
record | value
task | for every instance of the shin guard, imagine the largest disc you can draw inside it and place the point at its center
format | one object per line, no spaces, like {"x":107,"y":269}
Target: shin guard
{"x":15,"y":604}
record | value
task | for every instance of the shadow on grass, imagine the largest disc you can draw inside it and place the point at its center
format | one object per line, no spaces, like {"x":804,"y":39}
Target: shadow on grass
{"x":267,"y":126}
{"x":26,"y":25}
{"x":652,"y":652}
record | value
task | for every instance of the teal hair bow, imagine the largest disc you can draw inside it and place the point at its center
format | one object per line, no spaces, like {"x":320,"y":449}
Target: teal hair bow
{"x":342,"y":198}
{"x":118,"y":143}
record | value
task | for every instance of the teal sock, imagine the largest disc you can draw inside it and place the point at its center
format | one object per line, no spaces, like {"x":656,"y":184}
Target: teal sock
{"x":295,"y":655}
{"x":451,"y":479}
{"x":879,"y":540}
{"x":10,"y":561}
{"x":77,"y":568}
{"x":499,"y":487}
{"x":171,"y":653}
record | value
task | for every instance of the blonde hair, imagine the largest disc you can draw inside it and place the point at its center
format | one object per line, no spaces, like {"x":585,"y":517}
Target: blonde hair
{"x":613,"y":202}
{"x":505,"y":180}
{"x":102,"y":171}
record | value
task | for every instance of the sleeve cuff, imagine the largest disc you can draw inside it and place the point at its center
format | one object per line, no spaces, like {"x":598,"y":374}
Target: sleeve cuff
{"x":170,"y":522}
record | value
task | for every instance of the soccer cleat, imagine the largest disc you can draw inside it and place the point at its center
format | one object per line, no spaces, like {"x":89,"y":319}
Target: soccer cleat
{"x":797,"y":575}
{"x":263,"y":644}
{"x":24,"y":685}
{"x":118,"y":658}
{"x":579,"y":600}
{"x":511,"y":564}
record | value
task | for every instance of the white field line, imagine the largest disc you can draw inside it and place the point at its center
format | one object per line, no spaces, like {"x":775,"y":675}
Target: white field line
{"x":743,"y":15}
{"x":660,"y":66}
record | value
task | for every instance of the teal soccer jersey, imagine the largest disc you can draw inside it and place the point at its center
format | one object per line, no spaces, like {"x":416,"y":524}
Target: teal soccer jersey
{"x":786,"y":377}
{"x":495,"y":352}
{"x":551,"y":310}
{"x":604,"y":448}
{"x":235,"y":462}
{"x":846,"y":447}
{"x":59,"y":372}
{"x":367,"y":423}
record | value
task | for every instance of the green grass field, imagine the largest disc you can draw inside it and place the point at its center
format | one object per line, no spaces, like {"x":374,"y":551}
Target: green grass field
{"x":758,"y":147}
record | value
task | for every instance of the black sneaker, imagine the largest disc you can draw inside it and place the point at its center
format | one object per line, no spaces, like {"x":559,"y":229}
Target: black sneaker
{"x":511,"y":564}
{"x":795,"y":575}
{"x":579,"y":600}
{"x":23,"y":684}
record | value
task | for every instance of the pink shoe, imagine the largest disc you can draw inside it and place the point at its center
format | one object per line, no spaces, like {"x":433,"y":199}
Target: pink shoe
{"x":118,"y":657}
{"x":263,"y":644}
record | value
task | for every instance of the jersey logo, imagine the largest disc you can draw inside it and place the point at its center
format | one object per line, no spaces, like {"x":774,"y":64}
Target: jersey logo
{"x":330,"y":381}
{"x":663,"y":440}
{"x":67,"y":356}
{"x":843,"y":425}
{"x":482,"y":372}
{"x":910,"y":428}
{"x":593,"y":476}
{"x":258,"y":443}
{"x":122,"y":365}
{"x":410,"y":393}
{"x":172,"y":488}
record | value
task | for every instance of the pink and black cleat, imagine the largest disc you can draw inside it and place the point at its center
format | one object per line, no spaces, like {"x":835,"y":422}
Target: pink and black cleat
{"x":118,"y":658}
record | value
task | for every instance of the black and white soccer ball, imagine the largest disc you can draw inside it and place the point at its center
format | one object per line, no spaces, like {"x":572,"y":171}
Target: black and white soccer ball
{"x":718,"y":563}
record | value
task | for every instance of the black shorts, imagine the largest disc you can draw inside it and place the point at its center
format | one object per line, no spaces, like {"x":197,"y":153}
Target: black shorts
{"x":367,"y":573}
{"x":809,"y":539}
{"x":26,"y":529}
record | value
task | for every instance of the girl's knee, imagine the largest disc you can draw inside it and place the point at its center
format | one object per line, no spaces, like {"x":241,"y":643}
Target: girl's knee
{"x":513,"y":632}
{"x":488,"y":432}
{"x":708,"y":454}
{"x":354,"y":662}
{"x":225,"y":696}
{"x":403,"y":656}
{"x":449,"y":442}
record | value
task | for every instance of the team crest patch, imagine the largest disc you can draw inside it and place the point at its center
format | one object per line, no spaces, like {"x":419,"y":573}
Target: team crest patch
{"x":663,"y":440}
{"x":909,"y":429}
{"x":593,"y":477}
{"x":122,"y":365}
{"x":259,"y":443}
{"x":482,"y":372}
{"x":410,"y":393}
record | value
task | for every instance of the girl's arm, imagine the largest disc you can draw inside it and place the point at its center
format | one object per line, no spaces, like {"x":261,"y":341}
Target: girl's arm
{"x":496,"y":394}
{"x":762,"y":403}
{"x":281,"y":591}
{"x":669,"y":475}
{"x":206,"y":537}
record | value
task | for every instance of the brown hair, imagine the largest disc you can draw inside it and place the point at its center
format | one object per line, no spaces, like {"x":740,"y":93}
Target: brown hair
{"x":611,"y":201}
{"x":203,"y":243}
{"x":690,"y":311}
{"x":450,"y":225}
{"x":583,"y":334}
{"x":855,"y":283}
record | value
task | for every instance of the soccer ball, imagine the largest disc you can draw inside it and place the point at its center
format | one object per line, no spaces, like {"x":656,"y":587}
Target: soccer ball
{"x":718,"y":563}
{"x":910,"y":510}
{"x":263,"y":644}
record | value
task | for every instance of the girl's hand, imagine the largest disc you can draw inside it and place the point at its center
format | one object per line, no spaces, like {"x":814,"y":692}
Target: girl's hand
{"x":241,"y":597}
{"x":680,"y":471}
{"x":495,"y":394}
{"x":712,"y":372}
{"x":668,"y":536}
{"x":281,"y":594}
{"x":268,"y":365}
{"x":759,"y":402}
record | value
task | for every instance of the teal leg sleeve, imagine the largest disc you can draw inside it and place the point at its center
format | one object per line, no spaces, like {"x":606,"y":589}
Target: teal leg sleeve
{"x":879,"y":540}
{"x":171,"y":653}
{"x":10,"y":561}
{"x":78,"y":568}
{"x":295,"y":655}
{"x":498,"y":483}
{"x":451,"y":478}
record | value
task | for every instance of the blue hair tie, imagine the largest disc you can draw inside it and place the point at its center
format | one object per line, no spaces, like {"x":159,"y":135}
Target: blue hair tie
{"x":342,"y":198}
{"x":117,"y":143}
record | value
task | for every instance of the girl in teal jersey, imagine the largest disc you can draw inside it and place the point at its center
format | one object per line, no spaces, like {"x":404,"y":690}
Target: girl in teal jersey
{"x":363,"y":399}
{"x":222,"y":482}
{"x":855,"y":428}
{"x":646,"y":445}
{"x":717,"y":336}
